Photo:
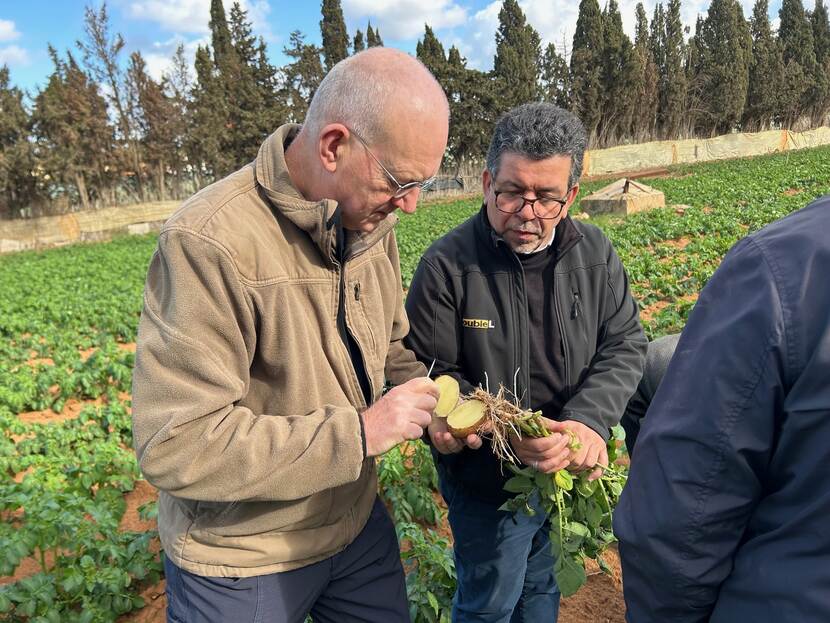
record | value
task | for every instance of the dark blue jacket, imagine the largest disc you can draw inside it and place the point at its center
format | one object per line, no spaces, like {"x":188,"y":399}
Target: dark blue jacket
{"x":726,"y":515}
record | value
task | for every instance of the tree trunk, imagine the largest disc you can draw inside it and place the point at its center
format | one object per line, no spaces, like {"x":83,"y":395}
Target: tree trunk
{"x":81,"y":184}
{"x":161,"y":180}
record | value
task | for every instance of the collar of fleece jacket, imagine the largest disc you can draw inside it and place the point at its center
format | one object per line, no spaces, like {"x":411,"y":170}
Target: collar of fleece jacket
{"x":320,"y":219}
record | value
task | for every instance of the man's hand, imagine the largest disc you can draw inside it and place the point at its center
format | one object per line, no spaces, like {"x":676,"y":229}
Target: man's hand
{"x":544,"y":454}
{"x":403,"y":413}
{"x":445,"y":443}
{"x":592,"y":449}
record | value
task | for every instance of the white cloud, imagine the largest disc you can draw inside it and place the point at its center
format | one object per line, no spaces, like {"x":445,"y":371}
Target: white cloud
{"x":403,"y":19}
{"x":193,"y":16}
{"x":13,"y":55}
{"x":8,"y":31}
{"x":159,"y":59}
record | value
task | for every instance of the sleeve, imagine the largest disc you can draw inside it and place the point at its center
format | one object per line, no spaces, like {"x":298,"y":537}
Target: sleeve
{"x":401,"y":363}
{"x":704,"y":446}
{"x":434,"y":334}
{"x":617,"y":364}
{"x":196,"y":340}
{"x":659,"y":354}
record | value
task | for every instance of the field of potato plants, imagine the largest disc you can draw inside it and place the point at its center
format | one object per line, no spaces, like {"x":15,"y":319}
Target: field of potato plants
{"x":77,"y":536}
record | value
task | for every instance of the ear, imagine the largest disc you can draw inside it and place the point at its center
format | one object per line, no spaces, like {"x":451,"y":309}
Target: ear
{"x":486,"y":181}
{"x":572,"y":193}
{"x":332,"y":144}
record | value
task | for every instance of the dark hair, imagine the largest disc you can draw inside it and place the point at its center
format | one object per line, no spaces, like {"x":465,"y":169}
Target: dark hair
{"x":537,"y":131}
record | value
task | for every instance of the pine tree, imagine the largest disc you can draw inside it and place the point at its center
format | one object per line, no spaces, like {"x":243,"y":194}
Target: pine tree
{"x":724,"y":66}
{"x":619,"y":72}
{"x":516,"y":65}
{"x":333,"y":30}
{"x":154,"y":117}
{"x":101,"y":52}
{"x":586,"y":66}
{"x":302,"y":76}
{"x":796,"y":36}
{"x":358,"y":45}
{"x":766,"y":68}
{"x":74,"y":141}
{"x":17,"y":184}
{"x":177,"y":84}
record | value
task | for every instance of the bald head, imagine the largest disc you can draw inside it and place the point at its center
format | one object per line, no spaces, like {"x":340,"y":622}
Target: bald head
{"x":376,"y":91}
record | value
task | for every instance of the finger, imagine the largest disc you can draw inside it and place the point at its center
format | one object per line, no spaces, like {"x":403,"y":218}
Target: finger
{"x":473,"y":441}
{"x":423,"y":385}
{"x":412,"y":431}
{"x":594,"y":475}
{"x":593,"y":457}
{"x":427,"y":402}
{"x":451,"y":443}
{"x":419,"y":417}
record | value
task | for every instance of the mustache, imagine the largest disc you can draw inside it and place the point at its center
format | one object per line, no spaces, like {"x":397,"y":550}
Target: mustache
{"x":528,"y":228}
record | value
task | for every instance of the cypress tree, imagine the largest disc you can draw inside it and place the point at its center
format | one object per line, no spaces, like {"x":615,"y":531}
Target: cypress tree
{"x":646,"y":81}
{"x":358,"y":45}
{"x":586,"y":65}
{"x":766,"y":68}
{"x":555,"y":78}
{"x":796,"y":36}
{"x":373,"y":39}
{"x":619,"y":73}
{"x":674,"y":95}
{"x":821,"y":45}
{"x":516,"y":65}
{"x":724,"y":66}
{"x":430,"y":52}
{"x":335,"y":36}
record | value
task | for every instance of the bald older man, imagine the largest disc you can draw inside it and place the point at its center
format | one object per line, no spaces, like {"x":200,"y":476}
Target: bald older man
{"x":272,"y":317}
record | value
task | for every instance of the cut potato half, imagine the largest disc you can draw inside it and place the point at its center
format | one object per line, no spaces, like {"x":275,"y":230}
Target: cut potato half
{"x":450,"y":393}
{"x":466,"y":419}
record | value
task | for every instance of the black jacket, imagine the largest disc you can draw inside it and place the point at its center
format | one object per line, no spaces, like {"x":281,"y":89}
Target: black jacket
{"x":658,"y":357}
{"x":468,"y":311}
{"x":726,"y":515}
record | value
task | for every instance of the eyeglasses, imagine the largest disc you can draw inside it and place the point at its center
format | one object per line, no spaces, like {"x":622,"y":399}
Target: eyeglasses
{"x":543,"y":206}
{"x":402,"y":189}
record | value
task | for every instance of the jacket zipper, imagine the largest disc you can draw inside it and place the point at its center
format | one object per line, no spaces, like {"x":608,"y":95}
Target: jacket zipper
{"x":341,"y":301}
{"x":525,"y":370}
{"x":576,"y":308}
{"x":564,"y":339}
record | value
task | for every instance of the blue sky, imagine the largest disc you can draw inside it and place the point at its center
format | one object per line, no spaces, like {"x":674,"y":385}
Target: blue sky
{"x":156,"y":27}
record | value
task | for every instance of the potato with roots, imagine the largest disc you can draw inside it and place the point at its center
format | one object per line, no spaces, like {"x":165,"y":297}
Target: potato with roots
{"x":467,"y":418}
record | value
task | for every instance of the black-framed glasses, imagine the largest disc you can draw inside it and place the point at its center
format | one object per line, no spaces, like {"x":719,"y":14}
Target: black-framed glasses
{"x":402,"y":189}
{"x":544,"y":206}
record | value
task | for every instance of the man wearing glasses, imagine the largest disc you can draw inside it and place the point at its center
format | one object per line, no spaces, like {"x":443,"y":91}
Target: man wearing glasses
{"x":273,"y":317}
{"x":524,"y":296}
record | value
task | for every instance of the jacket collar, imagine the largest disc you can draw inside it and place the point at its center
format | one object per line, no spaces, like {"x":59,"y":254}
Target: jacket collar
{"x":320,"y":219}
{"x":566,"y":231}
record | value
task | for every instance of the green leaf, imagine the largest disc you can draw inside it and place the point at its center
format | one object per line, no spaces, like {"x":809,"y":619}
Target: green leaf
{"x":563,"y":479}
{"x":519,"y":484}
{"x":570,"y":575}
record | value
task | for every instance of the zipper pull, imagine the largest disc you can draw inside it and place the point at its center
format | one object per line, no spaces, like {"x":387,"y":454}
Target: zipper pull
{"x":357,"y":291}
{"x":576,"y":309}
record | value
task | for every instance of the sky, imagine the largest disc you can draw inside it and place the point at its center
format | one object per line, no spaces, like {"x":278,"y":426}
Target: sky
{"x":157,"y":27}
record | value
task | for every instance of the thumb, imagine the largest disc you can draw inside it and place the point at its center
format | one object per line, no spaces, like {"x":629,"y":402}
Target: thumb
{"x":555,"y":426}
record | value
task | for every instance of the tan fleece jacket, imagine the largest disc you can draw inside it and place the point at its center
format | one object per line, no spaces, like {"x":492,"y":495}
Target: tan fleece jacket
{"x":244,"y":396}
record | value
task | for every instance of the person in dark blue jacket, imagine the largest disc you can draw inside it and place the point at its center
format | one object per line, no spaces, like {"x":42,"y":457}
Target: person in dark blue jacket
{"x":726,"y":515}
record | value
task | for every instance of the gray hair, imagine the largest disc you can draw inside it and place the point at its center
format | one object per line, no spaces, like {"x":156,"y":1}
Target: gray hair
{"x":353,"y":94}
{"x":537,"y":131}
